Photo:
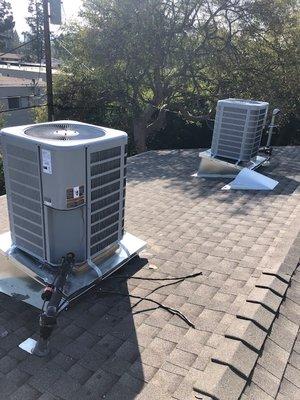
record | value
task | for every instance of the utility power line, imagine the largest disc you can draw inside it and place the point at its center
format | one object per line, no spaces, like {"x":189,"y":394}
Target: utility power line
{"x":62,"y":44}
{"x":18,"y":47}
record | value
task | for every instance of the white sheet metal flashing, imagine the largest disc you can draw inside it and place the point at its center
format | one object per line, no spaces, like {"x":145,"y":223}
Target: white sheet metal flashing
{"x":251,"y":180}
{"x":28,"y":345}
{"x":23,"y":276}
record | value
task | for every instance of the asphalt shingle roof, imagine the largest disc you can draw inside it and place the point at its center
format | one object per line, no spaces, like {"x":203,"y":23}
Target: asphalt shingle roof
{"x":245,"y":244}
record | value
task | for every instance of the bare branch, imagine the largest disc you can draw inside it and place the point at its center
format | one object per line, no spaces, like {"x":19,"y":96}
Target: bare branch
{"x":194,"y":118}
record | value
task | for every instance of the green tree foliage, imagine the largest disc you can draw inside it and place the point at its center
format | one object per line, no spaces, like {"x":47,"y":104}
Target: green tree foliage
{"x":136,"y":61}
{"x":34,"y":51}
{"x":6,"y":23}
{"x":264,"y":61}
{"x":14,"y":41}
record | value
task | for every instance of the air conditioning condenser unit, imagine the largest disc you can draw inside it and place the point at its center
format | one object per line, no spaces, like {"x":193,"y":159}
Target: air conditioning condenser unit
{"x":65,"y":185}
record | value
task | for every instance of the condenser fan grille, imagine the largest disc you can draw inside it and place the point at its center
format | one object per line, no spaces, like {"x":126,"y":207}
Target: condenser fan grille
{"x":64,"y":131}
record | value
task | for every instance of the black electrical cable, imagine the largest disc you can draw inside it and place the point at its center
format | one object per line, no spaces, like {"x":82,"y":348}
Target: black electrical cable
{"x":158,"y":287}
{"x":155,"y":279}
{"x":175,"y":279}
{"x":160,"y":305}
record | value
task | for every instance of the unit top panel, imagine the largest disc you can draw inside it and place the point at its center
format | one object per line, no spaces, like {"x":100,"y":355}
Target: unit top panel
{"x":64,"y":133}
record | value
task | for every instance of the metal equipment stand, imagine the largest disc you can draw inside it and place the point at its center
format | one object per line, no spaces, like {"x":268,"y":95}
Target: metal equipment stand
{"x":212,"y":167}
{"x":25,"y":278}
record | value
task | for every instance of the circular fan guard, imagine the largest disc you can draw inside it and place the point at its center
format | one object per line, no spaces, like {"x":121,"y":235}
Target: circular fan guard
{"x":64,"y":131}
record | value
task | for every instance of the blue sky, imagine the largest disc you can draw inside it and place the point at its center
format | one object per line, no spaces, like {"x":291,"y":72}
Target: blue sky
{"x":69,"y":11}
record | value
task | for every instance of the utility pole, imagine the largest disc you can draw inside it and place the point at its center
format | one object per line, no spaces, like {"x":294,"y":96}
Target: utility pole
{"x":48,"y":61}
{"x":39,"y":46}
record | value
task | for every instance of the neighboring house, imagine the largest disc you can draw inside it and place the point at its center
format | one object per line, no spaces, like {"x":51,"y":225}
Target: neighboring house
{"x":23,"y":71}
{"x":10,"y":57}
{"x":21,"y":85}
{"x":18,"y":93}
{"x":34,"y":71}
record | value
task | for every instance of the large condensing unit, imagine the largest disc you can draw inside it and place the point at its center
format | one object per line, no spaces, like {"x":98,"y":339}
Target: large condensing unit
{"x":238,"y":129}
{"x":65,"y":184}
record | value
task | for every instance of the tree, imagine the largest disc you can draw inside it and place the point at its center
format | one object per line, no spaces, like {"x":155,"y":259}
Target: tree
{"x":6,"y":23}
{"x":34,"y":51}
{"x":265,"y":61}
{"x":148,"y":52}
{"x":155,"y":56}
{"x":13,"y":41}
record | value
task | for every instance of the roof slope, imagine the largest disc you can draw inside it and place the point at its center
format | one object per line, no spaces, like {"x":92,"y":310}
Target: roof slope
{"x":104,"y":347}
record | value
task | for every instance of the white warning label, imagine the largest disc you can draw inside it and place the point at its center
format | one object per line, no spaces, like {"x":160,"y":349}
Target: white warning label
{"x":46,"y":161}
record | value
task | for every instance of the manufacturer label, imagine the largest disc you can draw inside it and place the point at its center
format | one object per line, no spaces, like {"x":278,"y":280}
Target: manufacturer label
{"x":75,"y":196}
{"x":46,"y":161}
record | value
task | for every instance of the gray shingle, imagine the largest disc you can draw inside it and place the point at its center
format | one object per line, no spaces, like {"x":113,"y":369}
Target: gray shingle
{"x":289,"y":390}
{"x":266,"y":381}
{"x":236,"y":355}
{"x":221,"y":382}
{"x":272,"y":282}
{"x":248,"y":333}
{"x":265,"y":297}
{"x":292,"y":374}
{"x":256,"y":313}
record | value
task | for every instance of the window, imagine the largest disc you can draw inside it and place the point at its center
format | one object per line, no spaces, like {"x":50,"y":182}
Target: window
{"x":13,"y":102}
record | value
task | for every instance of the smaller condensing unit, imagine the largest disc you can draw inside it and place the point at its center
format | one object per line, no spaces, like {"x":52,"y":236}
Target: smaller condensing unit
{"x":238,"y":129}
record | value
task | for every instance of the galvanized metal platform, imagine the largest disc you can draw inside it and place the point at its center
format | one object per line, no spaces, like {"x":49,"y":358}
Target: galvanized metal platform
{"x":212,"y":167}
{"x":23,"y":276}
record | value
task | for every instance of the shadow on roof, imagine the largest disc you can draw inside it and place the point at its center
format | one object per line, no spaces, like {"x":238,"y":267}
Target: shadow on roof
{"x":94,"y":349}
{"x":175,"y":167}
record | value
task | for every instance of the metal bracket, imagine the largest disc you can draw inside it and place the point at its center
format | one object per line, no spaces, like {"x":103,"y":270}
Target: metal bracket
{"x":95,"y":268}
{"x":23,"y":277}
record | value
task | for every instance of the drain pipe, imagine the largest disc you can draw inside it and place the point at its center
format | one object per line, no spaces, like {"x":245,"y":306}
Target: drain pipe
{"x":276,"y":111}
